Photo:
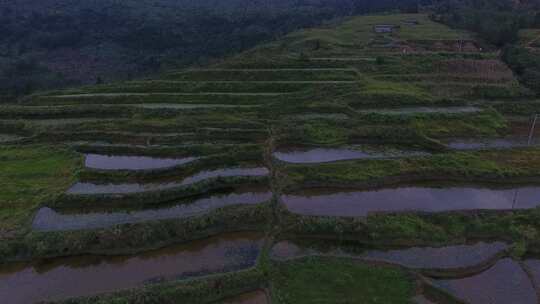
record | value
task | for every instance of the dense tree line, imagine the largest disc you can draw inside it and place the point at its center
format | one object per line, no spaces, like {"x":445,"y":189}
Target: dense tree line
{"x":63,"y":42}
{"x":499,"y":22}
{"x":496,"y":21}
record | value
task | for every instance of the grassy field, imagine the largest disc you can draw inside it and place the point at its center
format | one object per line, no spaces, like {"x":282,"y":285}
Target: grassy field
{"x":316,"y":280}
{"x":30,"y":176}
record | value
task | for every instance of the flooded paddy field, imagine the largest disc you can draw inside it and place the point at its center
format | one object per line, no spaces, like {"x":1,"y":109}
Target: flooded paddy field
{"x":484,"y":144}
{"x":520,"y":134}
{"x":117,"y":162}
{"x":532,"y":266}
{"x":347,"y":203}
{"x":88,"y":275}
{"x":316,"y":116}
{"x":187,"y":106}
{"x":129,"y":94}
{"x":446,"y":258}
{"x":422,"y":110}
{"x":305,"y":155}
{"x":505,"y":282}
{"x":48,"y":219}
{"x":440,"y":258}
{"x":84,"y":188}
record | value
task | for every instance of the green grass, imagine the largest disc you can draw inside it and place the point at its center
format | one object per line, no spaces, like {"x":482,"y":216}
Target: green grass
{"x":391,"y":93}
{"x":464,"y":165}
{"x":264,"y":75}
{"x":357,"y":32}
{"x":325,"y":281}
{"x":30,"y":176}
{"x":209,"y":290}
{"x":351,"y":38}
{"x":527,"y":36}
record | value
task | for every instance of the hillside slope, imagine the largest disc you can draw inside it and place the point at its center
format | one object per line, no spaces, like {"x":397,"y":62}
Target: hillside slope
{"x":384,"y":159}
{"x":58,"y":43}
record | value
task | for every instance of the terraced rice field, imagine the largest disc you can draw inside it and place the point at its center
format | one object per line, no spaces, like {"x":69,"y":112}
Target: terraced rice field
{"x":324,"y":167}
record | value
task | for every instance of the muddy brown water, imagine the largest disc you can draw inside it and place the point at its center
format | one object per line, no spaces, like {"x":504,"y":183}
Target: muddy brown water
{"x":92,"y":188}
{"x":254,"y":297}
{"x":118,"y":162}
{"x":349,"y":203}
{"x":88,"y":275}
{"x":442,"y":258}
{"x":322,"y":155}
{"x":504,"y":283}
{"x":47,"y":219}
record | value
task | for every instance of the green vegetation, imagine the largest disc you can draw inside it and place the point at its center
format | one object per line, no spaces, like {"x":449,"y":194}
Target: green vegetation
{"x":200,"y":291}
{"x":526,"y":63}
{"x":416,"y":88}
{"x":53,"y":44}
{"x":30,"y":176}
{"x":316,"y":280}
{"x":131,"y":239}
{"x":416,"y":229}
{"x":467,"y":166}
{"x":529,"y":37}
{"x":155,"y":197}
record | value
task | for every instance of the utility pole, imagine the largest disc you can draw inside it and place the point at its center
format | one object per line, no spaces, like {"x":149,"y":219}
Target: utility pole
{"x":529,"y":142}
{"x":531,"y":131}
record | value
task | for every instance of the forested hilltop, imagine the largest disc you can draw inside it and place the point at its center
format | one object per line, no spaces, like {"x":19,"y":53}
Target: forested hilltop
{"x":513,"y":26}
{"x":57,"y":43}
{"x":61,"y":43}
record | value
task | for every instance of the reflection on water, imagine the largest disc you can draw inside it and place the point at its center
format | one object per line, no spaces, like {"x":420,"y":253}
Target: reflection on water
{"x":448,"y":257}
{"x":361,"y":203}
{"x":187,"y":106}
{"x":533,"y":267}
{"x":49,"y":220}
{"x":90,"y":188}
{"x":498,"y":143}
{"x":422,"y":110}
{"x":504,"y":283}
{"x":113,"y":162}
{"x":80,"y":276}
{"x":322,"y":155}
